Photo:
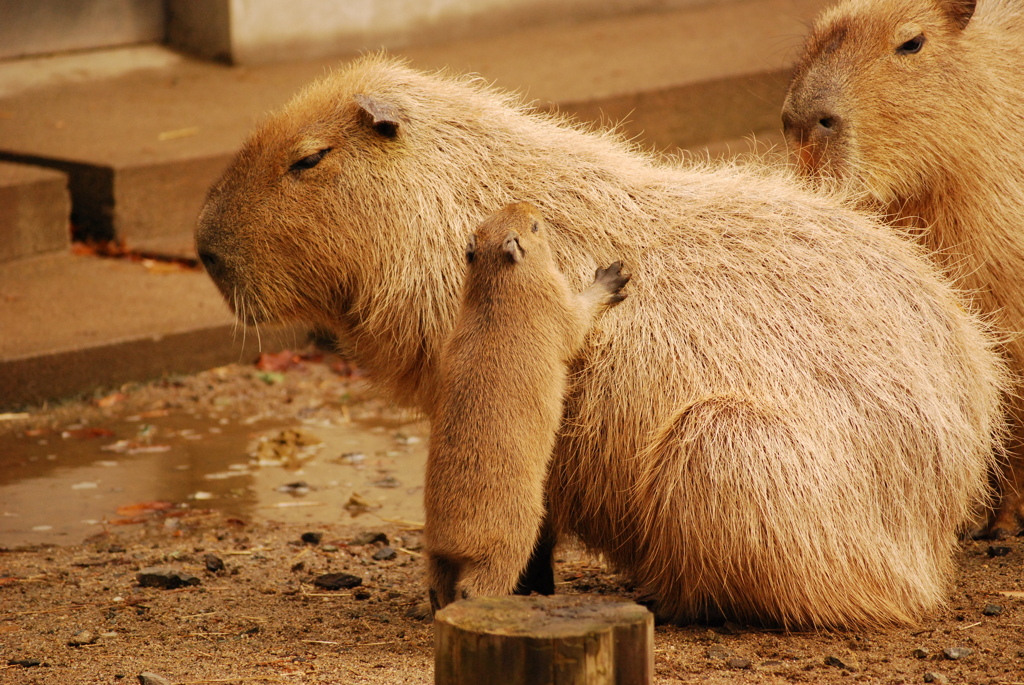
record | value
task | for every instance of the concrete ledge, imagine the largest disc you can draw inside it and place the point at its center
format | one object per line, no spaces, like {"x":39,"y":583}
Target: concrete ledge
{"x":37,"y":379}
{"x":72,"y":324}
{"x":34,"y":211}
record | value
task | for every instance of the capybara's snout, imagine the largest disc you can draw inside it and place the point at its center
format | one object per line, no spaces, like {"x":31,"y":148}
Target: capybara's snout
{"x":209,"y":252}
{"x":813,"y":125}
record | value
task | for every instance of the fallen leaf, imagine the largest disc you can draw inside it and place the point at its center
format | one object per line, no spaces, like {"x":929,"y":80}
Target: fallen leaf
{"x":282,"y":361}
{"x":177,"y":133}
{"x":110,"y":400}
{"x":128,"y":521}
{"x":88,"y":433}
{"x":164,"y":267}
{"x":271,"y":377}
{"x":143,"y":508}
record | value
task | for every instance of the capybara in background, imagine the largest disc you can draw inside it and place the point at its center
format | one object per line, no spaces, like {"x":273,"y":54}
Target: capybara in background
{"x":789,"y":421}
{"x":914,"y":105}
{"x":502,"y":382}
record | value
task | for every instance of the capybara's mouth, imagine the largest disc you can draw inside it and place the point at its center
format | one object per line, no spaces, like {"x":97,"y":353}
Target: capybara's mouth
{"x":808,"y":157}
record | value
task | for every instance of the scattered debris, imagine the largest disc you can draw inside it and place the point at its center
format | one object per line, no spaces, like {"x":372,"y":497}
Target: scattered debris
{"x":312,"y":538}
{"x":164,"y":577}
{"x":352,"y":458}
{"x":337,"y":581}
{"x":992,"y":610}
{"x":997,"y":551}
{"x":838,"y":663}
{"x":288,"y":448}
{"x":718,"y":652}
{"x":213,"y":563}
{"x":82,"y":637}
{"x":385,"y":554}
{"x":297,"y":489}
{"x":116,"y":249}
{"x":152,"y":679}
{"x":357,"y":504}
{"x":26,"y":663}
{"x":369,"y":537}
{"x":955,"y":653}
{"x":933,"y":677}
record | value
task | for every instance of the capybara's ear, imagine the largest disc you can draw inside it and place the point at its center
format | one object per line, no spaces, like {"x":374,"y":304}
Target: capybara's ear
{"x":382,"y":117}
{"x":959,"y":11}
{"x":512,"y":248}
{"x":471,"y":249}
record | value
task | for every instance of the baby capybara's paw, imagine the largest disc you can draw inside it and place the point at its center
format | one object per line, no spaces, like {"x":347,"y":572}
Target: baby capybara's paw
{"x":613,"y":279}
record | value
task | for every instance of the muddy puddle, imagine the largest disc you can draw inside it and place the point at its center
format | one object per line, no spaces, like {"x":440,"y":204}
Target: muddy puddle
{"x":61,"y":485}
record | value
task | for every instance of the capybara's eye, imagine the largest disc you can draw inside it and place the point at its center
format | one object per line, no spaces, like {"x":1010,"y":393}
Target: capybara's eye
{"x":535,"y":227}
{"x":309,"y":161}
{"x":912,"y":46}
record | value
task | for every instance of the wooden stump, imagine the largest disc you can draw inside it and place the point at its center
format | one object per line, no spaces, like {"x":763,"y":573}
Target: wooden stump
{"x":543,"y":641}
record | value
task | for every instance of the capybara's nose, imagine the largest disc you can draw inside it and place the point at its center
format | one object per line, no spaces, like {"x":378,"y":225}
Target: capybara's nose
{"x":814,"y":128}
{"x":212,"y":263}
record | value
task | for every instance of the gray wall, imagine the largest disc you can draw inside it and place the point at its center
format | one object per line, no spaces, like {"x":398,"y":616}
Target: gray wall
{"x":37,"y":27}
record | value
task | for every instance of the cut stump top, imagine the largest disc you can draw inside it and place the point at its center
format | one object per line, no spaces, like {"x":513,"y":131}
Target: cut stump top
{"x":542,"y":617}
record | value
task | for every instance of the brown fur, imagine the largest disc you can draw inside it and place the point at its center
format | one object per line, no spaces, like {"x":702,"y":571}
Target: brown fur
{"x":789,"y":422}
{"x":502,"y":380}
{"x":931,"y":139}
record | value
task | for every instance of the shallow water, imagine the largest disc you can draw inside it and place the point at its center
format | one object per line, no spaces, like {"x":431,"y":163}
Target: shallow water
{"x":60,"y":487}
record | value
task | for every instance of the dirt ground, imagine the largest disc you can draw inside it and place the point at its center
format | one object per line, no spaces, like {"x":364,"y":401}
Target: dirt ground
{"x":77,"y":613}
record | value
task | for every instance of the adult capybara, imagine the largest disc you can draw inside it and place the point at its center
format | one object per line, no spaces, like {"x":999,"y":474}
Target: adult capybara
{"x":913,"y":105}
{"x":789,"y":420}
{"x":501,"y":385}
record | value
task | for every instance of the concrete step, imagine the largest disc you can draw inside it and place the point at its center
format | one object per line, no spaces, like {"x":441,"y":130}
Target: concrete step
{"x":34,"y":210}
{"x":72,"y":324}
{"x":140,"y":149}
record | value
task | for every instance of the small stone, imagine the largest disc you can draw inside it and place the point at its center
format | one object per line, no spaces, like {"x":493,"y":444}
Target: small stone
{"x":167,"y":578}
{"x":152,"y":679}
{"x":838,"y":663}
{"x":737,"y":662}
{"x":933,"y":677}
{"x":718,"y":652}
{"x":997,"y":551}
{"x":337,"y":581}
{"x":329,"y":548}
{"x":954,"y":653}
{"x":82,"y":637}
{"x":992,"y":610}
{"x":116,"y":549}
{"x":730,"y":628}
{"x":361,"y":594}
{"x":25,"y":663}
{"x":368,"y":538}
{"x":214,"y":564}
{"x":296,"y":489}
{"x":312,"y":538}
{"x":384,"y":554}
{"x":921,"y":653}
